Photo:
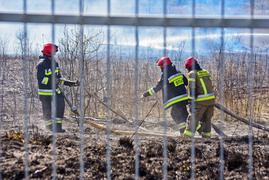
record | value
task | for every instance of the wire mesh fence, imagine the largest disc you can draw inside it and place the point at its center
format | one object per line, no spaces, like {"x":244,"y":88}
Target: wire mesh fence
{"x":111,"y":83}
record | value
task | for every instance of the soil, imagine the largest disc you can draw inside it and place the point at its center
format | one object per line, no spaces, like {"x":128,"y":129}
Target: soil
{"x":122,"y":152}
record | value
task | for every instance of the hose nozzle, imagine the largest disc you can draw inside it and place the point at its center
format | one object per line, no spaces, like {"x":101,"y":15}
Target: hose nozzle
{"x":73,"y":109}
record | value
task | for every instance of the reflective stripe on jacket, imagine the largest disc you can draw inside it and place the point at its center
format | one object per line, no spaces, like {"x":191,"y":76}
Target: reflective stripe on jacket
{"x":48,"y":92}
{"x":174,"y":85}
{"x":200,"y":80}
{"x":44,"y":76}
{"x":175,"y":100}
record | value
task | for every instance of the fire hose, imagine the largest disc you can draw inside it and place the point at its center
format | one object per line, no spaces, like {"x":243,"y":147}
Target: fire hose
{"x":148,"y":133}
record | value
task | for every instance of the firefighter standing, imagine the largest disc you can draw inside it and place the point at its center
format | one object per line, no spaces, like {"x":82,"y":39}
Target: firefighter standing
{"x":45,"y":91}
{"x":174,"y":86}
{"x":201,"y":91}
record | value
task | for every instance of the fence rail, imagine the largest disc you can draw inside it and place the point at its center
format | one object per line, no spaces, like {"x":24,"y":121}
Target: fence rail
{"x":244,"y":22}
{"x":192,"y":21}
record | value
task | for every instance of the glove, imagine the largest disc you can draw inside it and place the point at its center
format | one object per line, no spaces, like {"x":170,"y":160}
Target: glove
{"x":70,"y":83}
{"x":77,"y":83}
{"x":57,"y":81}
{"x":73,"y":83}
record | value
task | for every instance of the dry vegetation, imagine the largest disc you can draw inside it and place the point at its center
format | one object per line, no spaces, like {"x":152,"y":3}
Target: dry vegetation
{"x":237,"y":71}
{"x":237,"y":98}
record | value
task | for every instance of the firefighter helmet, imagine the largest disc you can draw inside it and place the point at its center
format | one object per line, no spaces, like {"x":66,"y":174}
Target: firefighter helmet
{"x":164,"y":61}
{"x":47,"y":49}
{"x":190,"y":61}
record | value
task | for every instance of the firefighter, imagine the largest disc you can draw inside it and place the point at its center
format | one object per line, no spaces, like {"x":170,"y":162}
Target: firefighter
{"x":45,"y":85}
{"x":174,"y":85}
{"x":201,"y":92}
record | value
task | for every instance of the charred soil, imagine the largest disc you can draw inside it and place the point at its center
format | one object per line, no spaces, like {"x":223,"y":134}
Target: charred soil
{"x":123,"y":155}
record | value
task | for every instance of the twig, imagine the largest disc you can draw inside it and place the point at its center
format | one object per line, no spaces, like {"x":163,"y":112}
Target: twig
{"x":144,"y":118}
{"x":103,"y":103}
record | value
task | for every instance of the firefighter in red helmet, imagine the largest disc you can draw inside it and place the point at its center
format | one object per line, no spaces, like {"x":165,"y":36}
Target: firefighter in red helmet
{"x":172,"y":82}
{"x":202,"y":95}
{"x":45,"y":91}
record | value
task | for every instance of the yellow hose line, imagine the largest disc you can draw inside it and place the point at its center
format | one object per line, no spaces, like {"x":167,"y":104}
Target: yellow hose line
{"x":227,"y":111}
{"x":148,"y":133}
{"x":128,"y":132}
{"x":140,"y":133}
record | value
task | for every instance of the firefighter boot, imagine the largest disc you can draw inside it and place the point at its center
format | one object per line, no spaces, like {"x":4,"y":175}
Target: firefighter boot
{"x":199,"y":129}
{"x":206,"y":134}
{"x":181,"y":128}
{"x":59,"y":128}
{"x":182,"y":131}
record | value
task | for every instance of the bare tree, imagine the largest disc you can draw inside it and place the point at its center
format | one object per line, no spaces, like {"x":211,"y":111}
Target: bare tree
{"x":69,"y":57}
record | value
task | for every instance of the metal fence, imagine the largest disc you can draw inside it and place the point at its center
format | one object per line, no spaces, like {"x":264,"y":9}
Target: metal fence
{"x":136,"y":21}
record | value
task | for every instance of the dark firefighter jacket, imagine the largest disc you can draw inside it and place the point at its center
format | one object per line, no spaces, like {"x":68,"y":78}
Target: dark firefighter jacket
{"x":44,"y":77}
{"x":200,"y":83}
{"x":174,"y":85}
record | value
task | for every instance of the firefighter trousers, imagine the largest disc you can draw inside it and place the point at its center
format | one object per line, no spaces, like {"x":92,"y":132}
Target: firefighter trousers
{"x":179,"y":114}
{"x":202,"y":114}
{"x":47,"y":106}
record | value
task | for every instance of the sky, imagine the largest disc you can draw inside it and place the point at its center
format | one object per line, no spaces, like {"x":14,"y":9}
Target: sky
{"x":146,"y":7}
{"x":235,"y":39}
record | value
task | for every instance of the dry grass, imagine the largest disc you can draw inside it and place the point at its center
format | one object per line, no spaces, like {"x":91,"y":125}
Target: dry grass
{"x":246,"y":86}
{"x":236,"y":90}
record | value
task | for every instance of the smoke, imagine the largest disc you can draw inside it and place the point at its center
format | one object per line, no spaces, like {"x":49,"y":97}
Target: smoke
{"x":207,"y":40}
{"x":149,"y":37}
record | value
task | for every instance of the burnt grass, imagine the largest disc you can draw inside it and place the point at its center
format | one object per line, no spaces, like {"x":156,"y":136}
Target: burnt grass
{"x":207,"y":161}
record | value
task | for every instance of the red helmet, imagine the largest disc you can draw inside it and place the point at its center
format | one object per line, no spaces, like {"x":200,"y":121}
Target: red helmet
{"x":190,"y":61}
{"x":164,"y":61}
{"x":47,"y":49}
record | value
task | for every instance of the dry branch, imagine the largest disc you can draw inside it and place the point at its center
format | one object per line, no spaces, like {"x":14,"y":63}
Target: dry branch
{"x":103,"y":103}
